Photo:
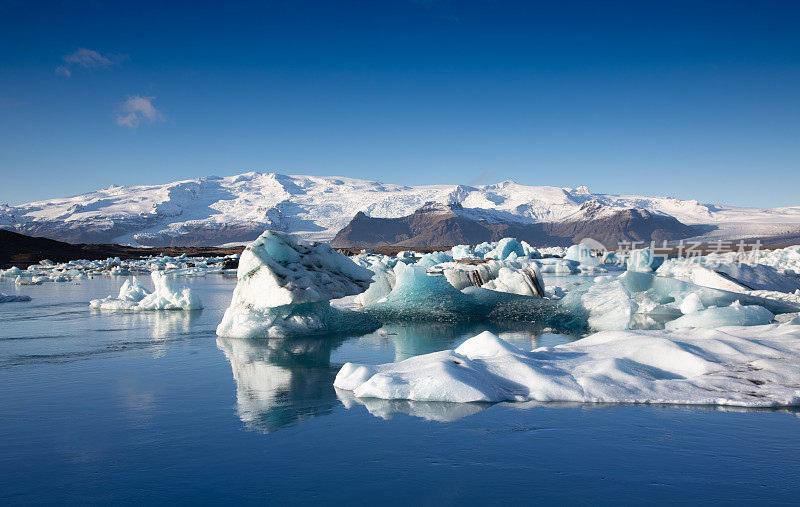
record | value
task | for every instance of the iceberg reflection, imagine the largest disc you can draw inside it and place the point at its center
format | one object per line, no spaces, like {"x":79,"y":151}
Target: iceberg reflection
{"x":280,"y":382}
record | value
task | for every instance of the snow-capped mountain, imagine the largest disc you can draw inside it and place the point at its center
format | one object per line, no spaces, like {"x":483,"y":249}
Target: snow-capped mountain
{"x":215,"y":210}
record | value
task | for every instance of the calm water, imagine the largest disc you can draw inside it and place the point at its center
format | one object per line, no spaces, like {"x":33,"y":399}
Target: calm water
{"x":133,"y":408}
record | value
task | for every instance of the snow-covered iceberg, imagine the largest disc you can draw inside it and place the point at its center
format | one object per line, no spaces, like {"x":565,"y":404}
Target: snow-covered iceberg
{"x":284,"y":288}
{"x":757,"y":366}
{"x":134,"y":297}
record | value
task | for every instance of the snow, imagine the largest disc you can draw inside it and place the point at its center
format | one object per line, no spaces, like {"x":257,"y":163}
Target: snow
{"x":757,"y":366}
{"x":236,"y":208}
{"x":134,"y":297}
{"x":284,"y":285}
{"x":691,"y":304}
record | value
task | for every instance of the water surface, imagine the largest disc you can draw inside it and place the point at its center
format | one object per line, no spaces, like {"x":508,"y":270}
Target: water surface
{"x":153,"y":407}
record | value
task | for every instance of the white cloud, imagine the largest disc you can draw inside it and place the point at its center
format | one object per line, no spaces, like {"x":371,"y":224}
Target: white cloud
{"x":88,"y":59}
{"x":136,"y":110}
{"x":63,"y":71}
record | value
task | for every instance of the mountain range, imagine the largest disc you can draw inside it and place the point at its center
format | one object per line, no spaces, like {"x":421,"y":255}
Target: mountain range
{"x":235,"y":209}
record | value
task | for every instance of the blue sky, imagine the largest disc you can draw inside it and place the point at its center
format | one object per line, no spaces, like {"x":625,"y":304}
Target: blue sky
{"x":689,"y":99}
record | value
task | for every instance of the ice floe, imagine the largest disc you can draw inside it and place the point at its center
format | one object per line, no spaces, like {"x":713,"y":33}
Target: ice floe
{"x":755,"y":366}
{"x":134,"y":297}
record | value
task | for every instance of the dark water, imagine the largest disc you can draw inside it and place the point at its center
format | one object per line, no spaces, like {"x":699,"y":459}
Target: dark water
{"x":154,"y":408}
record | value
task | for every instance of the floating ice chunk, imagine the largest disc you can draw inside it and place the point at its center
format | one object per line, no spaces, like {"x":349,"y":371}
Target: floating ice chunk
{"x":134,"y":297}
{"x":525,"y":282}
{"x":733,"y":315}
{"x":432,"y":259}
{"x":284,"y":287}
{"x":11,"y":272}
{"x":558,"y":266}
{"x":13,"y":298}
{"x":644,"y":261}
{"x":461,"y":252}
{"x":279,"y":269}
{"x":736,"y":277}
{"x":742,"y":366}
{"x":132,"y":290}
{"x":605,"y":305}
{"x":582,"y":254}
{"x":506,"y":249}
{"x":417,"y":296}
{"x":382,"y":284}
{"x":691,"y":304}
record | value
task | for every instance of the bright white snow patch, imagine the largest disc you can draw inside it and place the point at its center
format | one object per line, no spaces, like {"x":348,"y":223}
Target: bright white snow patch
{"x":755,"y":366}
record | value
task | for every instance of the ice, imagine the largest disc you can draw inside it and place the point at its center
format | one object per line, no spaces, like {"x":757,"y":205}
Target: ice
{"x":132,"y":290}
{"x":418,"y":296}
{"x":13,"y":298}
{"x":730,"y":276}
{"x":506,"y":249}
{"x":757,"y":366}
{"x":691,"y":304}
{"x":644,"y":261}
{"x":734,"y":315}
{"x":605,"y":304}
{"x":134,"y":297}
{"x":284,"y":288}
{"x":582,"y":254}
{"x":461,"y":252}
{"x":432,"y":259}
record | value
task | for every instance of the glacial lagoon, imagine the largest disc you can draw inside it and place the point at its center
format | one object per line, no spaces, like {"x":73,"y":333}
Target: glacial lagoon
{"x":153,"y":407}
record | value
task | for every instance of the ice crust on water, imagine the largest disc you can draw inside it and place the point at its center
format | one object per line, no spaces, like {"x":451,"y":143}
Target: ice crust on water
{"x":284,"y":288}
{"x":134,"y":297}
{"x":756,"y":366}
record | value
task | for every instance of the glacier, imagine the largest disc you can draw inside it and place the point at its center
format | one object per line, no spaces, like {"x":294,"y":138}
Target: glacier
{"x":236,"y":209}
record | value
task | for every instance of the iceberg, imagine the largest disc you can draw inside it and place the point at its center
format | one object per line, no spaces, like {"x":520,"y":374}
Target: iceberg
{"x":284,"y":288}
{"x":734,"y":315}
{"x":644,"y":261}
{"x":582,"y":254}
{"x":757,"y":366}
{"x":134,"y":297}
{"x":733,"y":276}
{"x":4,"y":298}
{"x":418,"y":296}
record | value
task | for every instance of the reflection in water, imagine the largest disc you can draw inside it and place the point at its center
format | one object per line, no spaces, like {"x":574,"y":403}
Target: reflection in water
{"x":163,"y":325}
{"x":430,"y":411}
{"x":283,"y":381}
{"x":414,"y":339}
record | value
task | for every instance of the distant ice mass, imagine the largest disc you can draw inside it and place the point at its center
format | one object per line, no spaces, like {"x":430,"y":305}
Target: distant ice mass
{"x":757,"y":366}
{"x":236,"y":209}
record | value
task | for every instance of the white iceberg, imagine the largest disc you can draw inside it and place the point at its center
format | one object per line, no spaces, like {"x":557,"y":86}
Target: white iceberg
{"x":734,"y":315}
{"x":756,"y":366}
{"x":134,"y":297}
{"x":284,"y":288}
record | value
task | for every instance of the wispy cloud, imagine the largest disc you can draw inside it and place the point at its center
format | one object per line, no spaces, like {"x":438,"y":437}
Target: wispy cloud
{"x":136,"y":110}
{"x":87,"y":59}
